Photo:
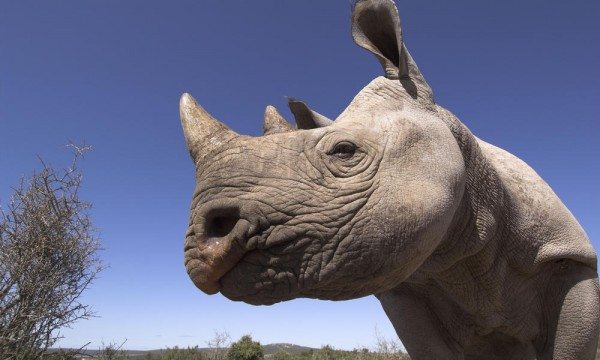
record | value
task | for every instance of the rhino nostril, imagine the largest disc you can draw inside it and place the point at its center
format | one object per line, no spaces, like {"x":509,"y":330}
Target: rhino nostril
{"x":221,"y":226}
{"x":221,"y":222}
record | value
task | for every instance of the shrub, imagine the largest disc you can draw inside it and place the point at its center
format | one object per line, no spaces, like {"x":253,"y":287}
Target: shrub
{"x":48,"y":258}
{"x":245,"y":349}
{"x":218,"y":346}
{"x":191,"y":353}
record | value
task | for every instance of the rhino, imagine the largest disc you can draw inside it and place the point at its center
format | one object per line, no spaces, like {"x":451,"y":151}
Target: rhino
{"x":471,"y":254}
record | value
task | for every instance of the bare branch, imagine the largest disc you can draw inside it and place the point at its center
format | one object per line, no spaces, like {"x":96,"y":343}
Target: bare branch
{"x":48,"y":257}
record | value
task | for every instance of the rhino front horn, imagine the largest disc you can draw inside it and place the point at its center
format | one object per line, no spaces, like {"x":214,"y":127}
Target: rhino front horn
{"x":203,"y":133}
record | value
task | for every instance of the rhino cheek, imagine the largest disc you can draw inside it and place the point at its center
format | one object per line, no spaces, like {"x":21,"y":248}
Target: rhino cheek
{"x":425,"y":208}
{"x":420,"y":184}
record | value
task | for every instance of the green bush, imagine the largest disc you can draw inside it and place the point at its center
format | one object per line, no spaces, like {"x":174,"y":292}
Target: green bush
{"x":176,"y":353}
{"x":282,"y":355}
{"x":112,"y":352}
{"x":245,"y":349}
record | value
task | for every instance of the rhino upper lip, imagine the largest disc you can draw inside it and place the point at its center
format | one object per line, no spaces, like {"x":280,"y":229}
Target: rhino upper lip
{"x":208,"y":259}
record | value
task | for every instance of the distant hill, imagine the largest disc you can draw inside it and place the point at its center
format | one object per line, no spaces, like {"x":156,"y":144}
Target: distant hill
{"x":289,"y":348}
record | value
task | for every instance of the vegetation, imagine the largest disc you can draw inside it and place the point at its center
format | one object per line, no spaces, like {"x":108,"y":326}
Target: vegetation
{"x":218,"y":346}
{"x":245,"y":349}
{"x":385,"y":350}
{"x":190,"y":353}
{"x":329,"y":353}
{"x":48,"y":259}
{"x":112,"y":351}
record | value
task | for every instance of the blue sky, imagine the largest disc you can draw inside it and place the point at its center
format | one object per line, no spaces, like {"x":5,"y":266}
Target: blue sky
{"x":523,"y":75}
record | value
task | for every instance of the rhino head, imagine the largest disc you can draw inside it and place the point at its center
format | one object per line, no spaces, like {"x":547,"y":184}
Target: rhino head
{"x":328,"y":209}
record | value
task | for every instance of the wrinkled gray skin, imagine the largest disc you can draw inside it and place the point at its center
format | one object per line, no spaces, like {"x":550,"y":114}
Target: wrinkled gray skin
{"x":470,"y":252}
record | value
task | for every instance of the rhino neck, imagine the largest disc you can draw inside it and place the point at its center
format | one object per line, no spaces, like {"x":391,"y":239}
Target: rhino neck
{"x":477,"y":221}
{"x":463,"y":278}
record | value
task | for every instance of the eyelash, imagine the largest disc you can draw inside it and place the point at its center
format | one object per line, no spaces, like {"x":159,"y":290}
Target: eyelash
{"x":343,"y":150}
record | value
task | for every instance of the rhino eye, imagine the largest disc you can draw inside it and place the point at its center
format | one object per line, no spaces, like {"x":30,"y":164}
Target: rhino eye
{"x":343,"y":150}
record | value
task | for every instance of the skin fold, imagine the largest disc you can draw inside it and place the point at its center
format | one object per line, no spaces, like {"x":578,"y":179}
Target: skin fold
{"x":470,"y":252}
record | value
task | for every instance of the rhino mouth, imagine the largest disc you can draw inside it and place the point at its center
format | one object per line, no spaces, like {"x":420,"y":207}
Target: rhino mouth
{"x":210,"y":259}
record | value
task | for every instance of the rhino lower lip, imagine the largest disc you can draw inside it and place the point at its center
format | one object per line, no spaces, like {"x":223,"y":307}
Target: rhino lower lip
{"x":203,"y":283}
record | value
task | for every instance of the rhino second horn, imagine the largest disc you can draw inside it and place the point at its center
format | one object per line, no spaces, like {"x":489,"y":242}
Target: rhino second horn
{"x":305,"y":117}
{"x":203,"y":133}
{"x":274,"y":122}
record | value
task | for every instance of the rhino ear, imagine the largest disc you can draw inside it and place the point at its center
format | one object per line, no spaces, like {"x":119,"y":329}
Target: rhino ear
{"x":305,"y":117}
{"x":274,"y":123}
{"x":376,"y":27}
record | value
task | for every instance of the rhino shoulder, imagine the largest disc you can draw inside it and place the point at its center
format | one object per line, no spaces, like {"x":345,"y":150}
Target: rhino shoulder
{"x":541,"y":227}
